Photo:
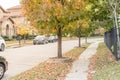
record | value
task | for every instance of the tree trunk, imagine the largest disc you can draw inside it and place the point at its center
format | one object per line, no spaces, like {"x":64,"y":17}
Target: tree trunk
{"x":59,"y":43}
{"x":79,"y":34}
{"x":19,"y":39}
{"x":86,"y":39}
{"x":24,"y":38}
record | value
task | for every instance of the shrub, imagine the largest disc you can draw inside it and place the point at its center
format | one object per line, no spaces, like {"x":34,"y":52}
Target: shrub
{"x":6,"y":38}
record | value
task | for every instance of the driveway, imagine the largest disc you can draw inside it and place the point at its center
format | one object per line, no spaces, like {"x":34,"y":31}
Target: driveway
{"x":24,"y":58}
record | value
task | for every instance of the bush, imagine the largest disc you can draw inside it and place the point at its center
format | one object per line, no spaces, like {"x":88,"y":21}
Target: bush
{"x":25,"y":36}
{"x":6,"y":38}
{"x":14,"y":36}
{"x":29,"y":36}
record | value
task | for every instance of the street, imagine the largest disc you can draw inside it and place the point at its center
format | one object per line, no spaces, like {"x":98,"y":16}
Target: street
{"x":24,"y":58}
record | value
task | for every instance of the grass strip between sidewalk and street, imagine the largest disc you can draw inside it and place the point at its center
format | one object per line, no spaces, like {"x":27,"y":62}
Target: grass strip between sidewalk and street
{"x":103,"y":65}
{"x":52,"y":70}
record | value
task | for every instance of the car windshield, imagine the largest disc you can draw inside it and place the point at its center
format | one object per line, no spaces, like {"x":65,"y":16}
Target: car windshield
{"x":51,"y":37}
{"x":39,"y":37}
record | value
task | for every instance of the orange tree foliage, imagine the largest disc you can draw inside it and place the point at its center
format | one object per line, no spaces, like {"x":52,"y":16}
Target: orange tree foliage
{"x":48,"y":14}
{"x":23,"y":30}
{"x":53,"y":16}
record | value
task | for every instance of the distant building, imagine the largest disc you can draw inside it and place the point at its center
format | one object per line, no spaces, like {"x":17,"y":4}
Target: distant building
{"x":7,"y":27}
{"x":10,"y":19}
{"x":16,"y":14}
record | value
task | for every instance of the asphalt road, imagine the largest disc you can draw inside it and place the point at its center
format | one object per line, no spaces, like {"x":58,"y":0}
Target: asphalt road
{"x":24,"y":58}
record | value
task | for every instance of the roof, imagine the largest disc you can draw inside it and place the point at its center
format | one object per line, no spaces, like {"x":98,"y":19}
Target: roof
{"x":2,"y":9}
{"x":6,"y":18}
{"x":15,"y":11}
{"x":14,"y":8}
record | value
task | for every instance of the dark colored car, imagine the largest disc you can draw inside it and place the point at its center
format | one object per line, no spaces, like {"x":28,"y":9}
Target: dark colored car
{"x":3,"y":66}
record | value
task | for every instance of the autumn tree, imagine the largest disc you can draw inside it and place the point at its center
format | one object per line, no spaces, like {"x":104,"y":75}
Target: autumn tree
{"x":101,"y":14}
{"x":52,"y":15}
{"x":24,"y":30}
{"x":81,"y":20}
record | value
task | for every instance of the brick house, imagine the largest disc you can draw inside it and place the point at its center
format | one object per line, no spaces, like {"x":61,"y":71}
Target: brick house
{"x":16,"y":15}
{"x":10,"y":19}
{"x":7,"y":27}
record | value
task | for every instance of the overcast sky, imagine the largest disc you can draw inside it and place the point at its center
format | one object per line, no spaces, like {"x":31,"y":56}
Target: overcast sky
{"x":8,"y":3}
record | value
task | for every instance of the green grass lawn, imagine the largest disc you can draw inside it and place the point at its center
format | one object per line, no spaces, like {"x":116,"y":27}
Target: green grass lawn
{"x":105,"y":65}
{"x":51,"y":70}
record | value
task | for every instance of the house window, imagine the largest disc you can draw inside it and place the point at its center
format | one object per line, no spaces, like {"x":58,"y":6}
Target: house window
{"x":14,"y":31}
{"x":7,"y":30}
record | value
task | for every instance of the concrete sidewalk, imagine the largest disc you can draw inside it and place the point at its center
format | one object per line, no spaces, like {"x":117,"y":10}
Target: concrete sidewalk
{"x":80,"y":66}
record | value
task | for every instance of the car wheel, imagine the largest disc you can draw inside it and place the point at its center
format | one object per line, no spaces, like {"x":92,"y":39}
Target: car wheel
{"x":34,"y":43}
{"x":2,"y":47}
{"x":44,"y":42}
{"x":2,"y":71}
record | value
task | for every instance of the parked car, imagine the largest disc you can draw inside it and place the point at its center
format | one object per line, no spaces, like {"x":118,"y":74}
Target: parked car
{"x":41,"y":39}
{"x":2,"y":44}
{"x":3,"y":66}
{"x":51,"y":39}
{"x":56,"y":38}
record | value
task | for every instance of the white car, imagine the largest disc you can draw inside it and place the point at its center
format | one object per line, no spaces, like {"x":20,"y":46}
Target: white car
{"x":51,"y":39}
{"x":2,"y":44}
{"x":40,"y":39}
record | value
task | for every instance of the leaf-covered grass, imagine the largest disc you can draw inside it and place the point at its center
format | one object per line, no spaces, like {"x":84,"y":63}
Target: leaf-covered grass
{"x":104,"y":65}
{"x":51,"y":71}
{"x":15,"y":43}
